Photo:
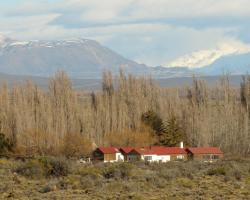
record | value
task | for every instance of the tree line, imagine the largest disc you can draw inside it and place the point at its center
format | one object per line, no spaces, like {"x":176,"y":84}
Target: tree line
{"x":127,"y":111}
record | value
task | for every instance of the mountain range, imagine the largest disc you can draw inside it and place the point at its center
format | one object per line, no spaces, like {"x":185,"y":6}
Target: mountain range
{"x":87,"y":59}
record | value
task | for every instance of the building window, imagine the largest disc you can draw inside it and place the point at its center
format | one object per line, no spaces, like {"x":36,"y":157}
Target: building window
{"x":180,"y":157}
{"x":215,"y":157}
{"x":206,"y":157}
{"x":148,"y":158}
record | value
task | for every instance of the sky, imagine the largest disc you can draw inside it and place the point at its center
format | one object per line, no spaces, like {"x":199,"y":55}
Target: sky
{"x":153,"y":32}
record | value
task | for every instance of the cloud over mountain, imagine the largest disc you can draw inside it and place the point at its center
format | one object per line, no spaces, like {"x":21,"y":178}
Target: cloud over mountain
{"x":148,"y":31}
{"x":206,"y":57}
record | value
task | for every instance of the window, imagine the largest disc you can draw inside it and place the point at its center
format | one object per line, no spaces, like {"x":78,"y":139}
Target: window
{"x":148,"y":158}
{"x":180,"y":157}
{"x":206,"y":157}
{"x":215,"y":157}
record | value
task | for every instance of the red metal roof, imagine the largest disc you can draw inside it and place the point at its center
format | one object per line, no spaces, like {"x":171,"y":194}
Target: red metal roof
{"x":126,"y":149}
{"x":205,"y":150}
{"x":108,"y":150}
{"x":160,"y":150}
{"x":144,"y":151}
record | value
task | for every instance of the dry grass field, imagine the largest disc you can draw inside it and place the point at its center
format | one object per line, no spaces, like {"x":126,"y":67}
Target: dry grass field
{"x":58,"y":178}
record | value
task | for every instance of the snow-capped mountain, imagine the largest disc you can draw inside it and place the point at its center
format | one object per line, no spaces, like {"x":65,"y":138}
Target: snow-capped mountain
{"x":4,"y":40}
{"x":231,"y":57}
{"x":231,"y":64}
{"x":207,"y":57}
{"x":78,"y":57}
{"x":83,"y":58}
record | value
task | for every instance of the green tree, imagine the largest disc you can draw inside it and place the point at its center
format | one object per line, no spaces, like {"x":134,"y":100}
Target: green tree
{"x":173,"y":133}
{"x":169,"y":133}
{"x":153,"y":120}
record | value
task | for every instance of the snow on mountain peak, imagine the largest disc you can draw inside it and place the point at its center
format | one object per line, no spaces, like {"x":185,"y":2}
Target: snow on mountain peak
{"x":6,"y":42}
{"x":2,"y":39}
{"x":204,"y":58}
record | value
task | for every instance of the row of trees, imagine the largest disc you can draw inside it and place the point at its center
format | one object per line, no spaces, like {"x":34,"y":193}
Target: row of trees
{"x":128,"y":111}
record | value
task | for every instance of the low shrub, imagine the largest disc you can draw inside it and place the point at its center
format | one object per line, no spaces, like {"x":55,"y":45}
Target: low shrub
{"x":126,"y":170}
{"x":237,"y":175}
{"x":46,"y":189}
{"x":30,"y":169}
{"x":111,"y":172}
{"x":118,"y":171}
{"x":216,"y":171}
{"x":92,"y":172}
{"x":43,"y":167}
{"x":169,"y":174}
{"x":5,"y":144}
{"x":184,"y":182}
{"x":86,"y":182}
{"x":55,"y":166}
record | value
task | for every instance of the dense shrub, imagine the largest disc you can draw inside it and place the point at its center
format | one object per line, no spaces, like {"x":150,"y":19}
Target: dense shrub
{"x":169,"y":174}
{"x":216,"y":171}
{"x":119,"y":171}
{"x":91,"y":172}
{"x":43,"y":167}
{"x":111,"y":172}
{"x":76,"y":145}
{"x":31,"y":169}
{"x":55,"y":166}
{"x":5,"y":144}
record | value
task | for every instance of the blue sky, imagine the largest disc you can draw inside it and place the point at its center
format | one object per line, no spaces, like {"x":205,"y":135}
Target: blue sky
{"x":154,"y":32}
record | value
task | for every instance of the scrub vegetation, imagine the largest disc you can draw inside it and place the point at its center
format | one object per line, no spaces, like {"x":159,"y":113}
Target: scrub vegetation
{"x":59,"y":178}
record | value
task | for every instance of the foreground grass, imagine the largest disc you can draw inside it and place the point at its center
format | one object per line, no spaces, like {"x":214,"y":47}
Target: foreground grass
{"x":53,"y":178}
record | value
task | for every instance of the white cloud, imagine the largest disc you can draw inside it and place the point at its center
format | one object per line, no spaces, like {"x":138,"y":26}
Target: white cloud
{"x":137,"y":29}
{"x":206,"y":57}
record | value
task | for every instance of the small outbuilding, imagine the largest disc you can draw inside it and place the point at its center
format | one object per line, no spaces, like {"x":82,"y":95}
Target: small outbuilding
{"x":125,"y":151}
{"x":108,"y":154}
{"x":208,"y":154}
{"x":138,"y":154}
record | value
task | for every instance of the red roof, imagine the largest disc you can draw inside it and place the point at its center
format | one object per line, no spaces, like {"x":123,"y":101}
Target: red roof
{"x":143,"y":151}
{"x":205,"y":150}
{"x":159,"y":150}
{"x":108,"y":150}
{"x":126,"y":149}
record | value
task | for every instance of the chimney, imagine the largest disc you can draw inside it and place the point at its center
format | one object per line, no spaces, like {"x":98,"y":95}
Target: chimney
{"x":181,"y":145}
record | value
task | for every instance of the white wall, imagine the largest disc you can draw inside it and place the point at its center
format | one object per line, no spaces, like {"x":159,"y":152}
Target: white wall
{"x":157,"y":158}
{"x":119,"y":157}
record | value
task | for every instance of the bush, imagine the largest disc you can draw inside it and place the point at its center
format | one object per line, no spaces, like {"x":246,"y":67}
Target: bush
{"x":55,"y":166}
{"x":91,"y":172}
{"x":111,"y":172}
{"x":5,"y":144}
{"x":126,"y":170}
{"x":216,"y":171}
{"x":120,"y":171}
{"x":45,"y":166}
{"x":30,"y":169}
{"x":184,"y":182}
{"x":237,"y":175}
{"x":169,"y":174}
{"x":76,"y":145}
{"x":87,"y":182}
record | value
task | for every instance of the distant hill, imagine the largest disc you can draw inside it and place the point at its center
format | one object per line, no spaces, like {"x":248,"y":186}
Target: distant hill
{"x":87,"y":59}
{"x":96,"y":84}
{"x":78,"y":57}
